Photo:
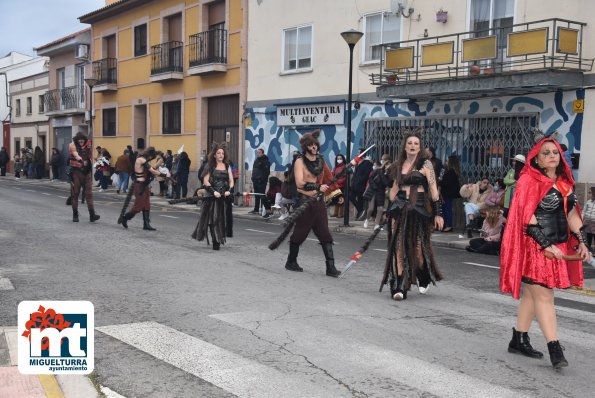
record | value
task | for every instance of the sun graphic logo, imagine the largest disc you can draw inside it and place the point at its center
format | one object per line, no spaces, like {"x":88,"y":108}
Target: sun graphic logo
{"x":56,"y":337}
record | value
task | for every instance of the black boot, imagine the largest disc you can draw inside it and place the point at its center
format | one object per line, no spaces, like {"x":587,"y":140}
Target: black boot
{"x":469,"y":228}
{"x":216,"y":244}
{"x":291,"y":263}
{"x":557,"y":354}
{"x":521,"y":344}
{"x":399,"y":289}
{"x":69,"y":201}
{"x":124,"y":220}
{"x":327,"y":248}
{"x":92,"y":216}
{"x":75,"y":215}
{"x":146,"y":221}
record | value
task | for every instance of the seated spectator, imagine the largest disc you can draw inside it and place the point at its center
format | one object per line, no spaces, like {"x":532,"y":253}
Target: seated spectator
{"x":286,"y":197}
{"x":271,"y":195}
{"x":491,"y":233}
{"x":475,"y":196}
{"x":497,"y":194}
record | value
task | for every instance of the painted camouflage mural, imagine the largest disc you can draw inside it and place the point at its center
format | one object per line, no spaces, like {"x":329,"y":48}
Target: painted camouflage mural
{"x":555,"y":110}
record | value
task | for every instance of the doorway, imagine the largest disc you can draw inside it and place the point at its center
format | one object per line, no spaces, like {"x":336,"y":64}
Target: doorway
{"x":140,"y":127}
{"x":223,"y":123}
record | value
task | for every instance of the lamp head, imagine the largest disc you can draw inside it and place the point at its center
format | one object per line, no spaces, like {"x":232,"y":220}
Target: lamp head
{"x":91,"y":81}
{"x":352,"y":36}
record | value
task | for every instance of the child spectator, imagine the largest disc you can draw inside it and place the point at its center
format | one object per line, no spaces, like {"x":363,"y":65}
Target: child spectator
{"x":489,"y":242}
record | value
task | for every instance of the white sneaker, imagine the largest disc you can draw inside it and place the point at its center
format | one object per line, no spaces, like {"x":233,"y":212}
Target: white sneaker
{"x":100,"y":190}
{"x":398,"y":296}
{"x":424,"y":290}
{"x":276,"y":206}
{"x":366,"y":223}
{"x":283,"y":216}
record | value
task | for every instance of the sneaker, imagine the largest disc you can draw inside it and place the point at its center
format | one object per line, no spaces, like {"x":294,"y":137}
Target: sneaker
{"x":283,"y":216}
{"x":253,"y":212}
{"x":267,"y":216}
{"x":276,"y":206}
{"x":100,"y":190}
{"x":424,"y":290}
{"x":117,"y":191}
{"x":366,"y":223}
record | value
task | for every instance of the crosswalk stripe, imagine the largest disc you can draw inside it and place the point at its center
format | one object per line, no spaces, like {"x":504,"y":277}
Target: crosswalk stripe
{"x":5,"y":284}
{"x":379,"y":362}
{"x":163,"y":215}
{"x":223,"y":368}
{"x":481,"y":265}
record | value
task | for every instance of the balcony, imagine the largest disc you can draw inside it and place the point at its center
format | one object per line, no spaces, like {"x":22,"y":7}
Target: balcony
{"x":65,"y":101}
{"x":533,"y":57}
{"x":106,"y":72}
{"x":167,"y":61}
{"x":208,"y":52}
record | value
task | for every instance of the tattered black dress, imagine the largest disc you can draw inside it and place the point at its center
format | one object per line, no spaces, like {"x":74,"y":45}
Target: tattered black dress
{"x":213,"y":216}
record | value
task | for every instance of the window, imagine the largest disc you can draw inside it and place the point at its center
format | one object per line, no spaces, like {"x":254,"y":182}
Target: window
{"x":172,"y":117}
{"x":41,"y":103}
{"x":380,"y":28}
{"x":109,"y":122}
{"x":140,"y":40}
{"x":493,"y":17}
{"x":297,"y":48}
{"x":29,"y":105}
{"x":18,"y":108}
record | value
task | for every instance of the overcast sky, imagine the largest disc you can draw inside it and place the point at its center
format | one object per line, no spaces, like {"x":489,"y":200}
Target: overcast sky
{"x":26,"y":24}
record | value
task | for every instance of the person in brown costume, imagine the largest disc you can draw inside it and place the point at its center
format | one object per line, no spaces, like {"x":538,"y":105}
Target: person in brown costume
{"x":80,"y":163}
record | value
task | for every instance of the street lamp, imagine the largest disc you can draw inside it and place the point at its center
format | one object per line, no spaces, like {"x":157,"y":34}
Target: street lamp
{"x":351,"y":37}
{"x":91,"y":81}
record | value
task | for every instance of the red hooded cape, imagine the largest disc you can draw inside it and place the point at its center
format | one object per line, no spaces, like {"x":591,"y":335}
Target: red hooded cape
{"x":520,"y":254}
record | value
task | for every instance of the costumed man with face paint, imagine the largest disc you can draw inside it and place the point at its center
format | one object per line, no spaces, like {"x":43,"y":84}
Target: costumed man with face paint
{"x":80,"y":172}
{"x":311,"y":175}
{"x":144,"y":173}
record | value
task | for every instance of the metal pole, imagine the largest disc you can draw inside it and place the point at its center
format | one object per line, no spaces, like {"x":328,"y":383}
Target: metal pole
{"x":91,"y":113}
{"x":348,"y":157}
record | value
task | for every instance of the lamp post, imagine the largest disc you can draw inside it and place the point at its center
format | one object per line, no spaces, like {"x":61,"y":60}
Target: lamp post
{"x":91,"y":81}
{"x":351,"y":37}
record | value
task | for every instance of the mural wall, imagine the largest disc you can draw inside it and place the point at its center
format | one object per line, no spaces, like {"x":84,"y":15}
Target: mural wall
{"x":555,"y":109}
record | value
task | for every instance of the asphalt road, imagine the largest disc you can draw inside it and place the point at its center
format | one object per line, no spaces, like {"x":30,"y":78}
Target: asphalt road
{"x":177,"y":319}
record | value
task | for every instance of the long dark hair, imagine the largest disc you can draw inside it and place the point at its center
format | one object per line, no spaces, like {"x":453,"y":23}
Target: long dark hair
{"x":454,"y":164}
{"x":212,"y":162}
{"x":342,"y":157}
{"x":396,"y":167}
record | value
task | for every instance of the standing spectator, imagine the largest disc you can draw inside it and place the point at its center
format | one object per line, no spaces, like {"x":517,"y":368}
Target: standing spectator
{"x":544,"y":225}
{"x":261,"y":168}
{"x":3,"y":161}
{"x":168,"y":158}
{"x":270,"y":198}
{"x":38,"y":163}
{"x":55,"y":163}
{"x":376,"y":190}
{"x":358,"y":185}
{"x":103,"y":167}
{"x":157,"y":164}
{"x":123,"y":167}
{"x":436,"y":163}
{"x":339,"y":210}
{"x":518,"y":162}
{"x":27,"y":159}
{"x":589,"y":218}
{"x":98,"y":172}
{"x":449,"y":188}
{"x":18,"y":166}
{"x":202,"y":169}
{"x":475,"y":195}
{"x":182,"y":175}
{"x":491,"y":232}
{"x":174,"y":176}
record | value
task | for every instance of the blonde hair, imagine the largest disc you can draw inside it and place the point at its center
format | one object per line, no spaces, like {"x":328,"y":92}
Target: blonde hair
{"x":492,"y":215}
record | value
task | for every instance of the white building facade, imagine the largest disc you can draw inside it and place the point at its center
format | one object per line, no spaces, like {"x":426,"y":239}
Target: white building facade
{"x":299,"y":65}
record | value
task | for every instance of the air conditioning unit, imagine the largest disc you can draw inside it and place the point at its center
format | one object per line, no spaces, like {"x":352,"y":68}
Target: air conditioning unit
{"x":82,"y":52}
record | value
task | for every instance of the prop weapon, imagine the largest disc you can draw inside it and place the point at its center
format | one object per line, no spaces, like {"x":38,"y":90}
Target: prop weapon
{"x":297,"y":213}
{"x":358,"y":254}
{"x":567,"y":257}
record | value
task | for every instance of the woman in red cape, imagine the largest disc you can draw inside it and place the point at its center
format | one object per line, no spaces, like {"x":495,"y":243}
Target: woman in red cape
{"x":544,"y":218}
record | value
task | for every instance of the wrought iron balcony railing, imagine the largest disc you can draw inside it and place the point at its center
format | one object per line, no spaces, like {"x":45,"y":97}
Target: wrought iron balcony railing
{"x":106,"y":71}
{"x":64,"y":99}
{"x":167,"y":57}
{"x":208,"y":47}
{"x":549,"y":44}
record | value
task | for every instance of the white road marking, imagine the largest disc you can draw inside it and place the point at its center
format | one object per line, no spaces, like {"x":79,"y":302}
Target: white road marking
{"x":45,"y":193}
{"x":6,"y":284}
{"x":163,"y":215}
{"x":238,"y":375}
{"x":64,"y":197}
{"x":482,"y":265}
{"x":29,"y":190}
{"x":109,"y":393}
{"x":381,"y":250}
{"x":262,"y":232}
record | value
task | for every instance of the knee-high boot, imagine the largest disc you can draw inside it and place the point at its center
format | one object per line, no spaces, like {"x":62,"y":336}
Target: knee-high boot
{"x":127,"y":216}
{"x":291,"y":263}
{"x":327,"y":248}
{"x":147,"y":221}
